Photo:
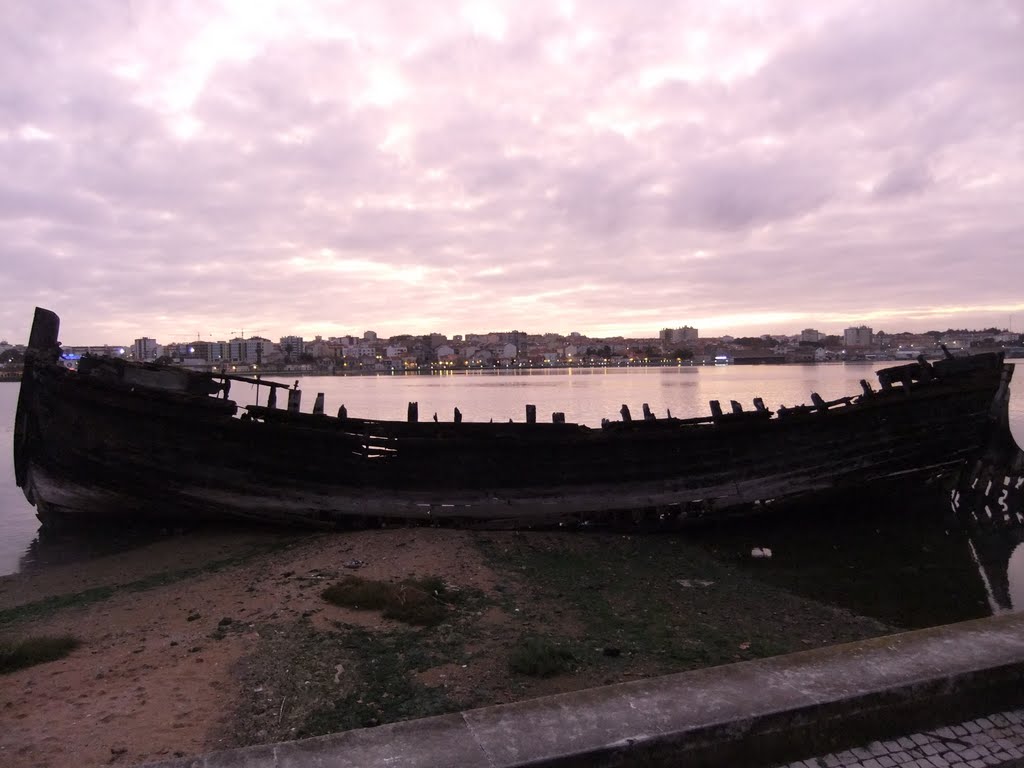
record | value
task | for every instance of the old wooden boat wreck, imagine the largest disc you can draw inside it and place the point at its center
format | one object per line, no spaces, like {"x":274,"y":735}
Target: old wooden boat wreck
{"x":118,"y":438}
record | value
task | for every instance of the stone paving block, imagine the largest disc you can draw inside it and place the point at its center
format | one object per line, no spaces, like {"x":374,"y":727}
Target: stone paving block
{"x":956,"y":746}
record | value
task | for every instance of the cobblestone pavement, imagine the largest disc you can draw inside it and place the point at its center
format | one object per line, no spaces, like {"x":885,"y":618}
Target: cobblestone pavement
{"x":987,"y":741}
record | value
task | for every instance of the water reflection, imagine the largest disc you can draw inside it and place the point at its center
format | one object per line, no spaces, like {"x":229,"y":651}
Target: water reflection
{"x":999,"y":558}
{"x":50,"y":548}
{"x":1015,"y":577}
{"x":902,"y":561}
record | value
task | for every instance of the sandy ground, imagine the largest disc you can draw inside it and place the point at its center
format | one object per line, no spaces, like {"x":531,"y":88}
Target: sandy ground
{"x":148,"y":681}
{"x":179,"y":658}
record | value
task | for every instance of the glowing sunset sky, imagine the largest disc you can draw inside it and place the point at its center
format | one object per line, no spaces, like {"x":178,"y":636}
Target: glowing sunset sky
{"x":604,"y":167}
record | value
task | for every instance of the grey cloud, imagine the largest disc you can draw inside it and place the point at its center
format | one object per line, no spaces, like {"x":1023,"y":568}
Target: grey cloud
{"x":906,"y":178}
{"x":739,"y":191}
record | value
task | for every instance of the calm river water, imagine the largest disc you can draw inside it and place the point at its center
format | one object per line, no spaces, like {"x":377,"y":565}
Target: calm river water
{"x":889,"y":561}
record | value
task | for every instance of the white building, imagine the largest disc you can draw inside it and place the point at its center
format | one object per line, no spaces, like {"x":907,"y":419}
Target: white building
{"x":249,"y":351}
{"x":146,"y":348}
{"x":359,"y":350}
{"x":861,"y":336}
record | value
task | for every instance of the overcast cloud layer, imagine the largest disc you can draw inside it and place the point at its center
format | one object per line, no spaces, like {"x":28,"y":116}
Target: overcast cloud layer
{"x":174,"y":169}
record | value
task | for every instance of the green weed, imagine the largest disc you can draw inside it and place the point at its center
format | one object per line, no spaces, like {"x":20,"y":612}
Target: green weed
{"x":416,"y":602}
{"x":540,"y":657}
{"x":35,"y":650}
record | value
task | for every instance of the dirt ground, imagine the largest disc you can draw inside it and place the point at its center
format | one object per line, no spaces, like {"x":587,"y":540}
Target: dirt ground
{"x":210,"y":640}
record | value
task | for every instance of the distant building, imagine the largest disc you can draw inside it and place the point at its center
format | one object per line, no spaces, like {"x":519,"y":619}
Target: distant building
{"x":811,"y":335}
{"x":249,"y":351}
{"x":861,"y":336}
{"x":292,"y":345}
{"x":370,"y":336}
{"x":145,"y":348}
{"x":203,"y":350}
{"x":672,"y":336}
{"x":217,"y":351}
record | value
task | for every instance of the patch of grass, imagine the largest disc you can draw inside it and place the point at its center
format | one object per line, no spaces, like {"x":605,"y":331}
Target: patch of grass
{"x":387,"y":691}
{"x":540,"y":657}
{"x":303,"y":682}
{"x":419,"y":602}
{"x":35,"y":650}
{"x":667,"y":605}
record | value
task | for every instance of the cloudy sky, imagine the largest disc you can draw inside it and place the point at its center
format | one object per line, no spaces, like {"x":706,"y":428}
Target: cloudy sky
{"x":199,"y":168}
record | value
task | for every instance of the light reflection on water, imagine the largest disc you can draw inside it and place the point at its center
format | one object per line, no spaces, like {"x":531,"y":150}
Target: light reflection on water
{"x":586,"y":396}
{"x":1015,"y":577}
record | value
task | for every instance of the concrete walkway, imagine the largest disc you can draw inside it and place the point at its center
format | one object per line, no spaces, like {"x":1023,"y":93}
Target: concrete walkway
{"x":757,"y":713}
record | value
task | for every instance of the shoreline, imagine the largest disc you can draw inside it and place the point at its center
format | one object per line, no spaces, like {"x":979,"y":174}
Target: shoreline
{"x":183,"y":638}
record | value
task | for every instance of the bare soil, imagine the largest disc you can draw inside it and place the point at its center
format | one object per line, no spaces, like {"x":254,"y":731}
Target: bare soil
{"x":210,"y":640}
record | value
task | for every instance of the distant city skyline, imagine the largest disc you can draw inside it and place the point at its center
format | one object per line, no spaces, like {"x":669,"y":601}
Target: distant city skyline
{"x":376,"y":335}
{"x":610,"y":168}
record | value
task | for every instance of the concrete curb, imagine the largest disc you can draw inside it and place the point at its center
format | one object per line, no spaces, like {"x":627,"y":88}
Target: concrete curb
{"x":753,"y":713}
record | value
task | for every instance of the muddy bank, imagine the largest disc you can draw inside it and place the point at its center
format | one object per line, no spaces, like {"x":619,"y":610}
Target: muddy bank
{"x":210,"y":640}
